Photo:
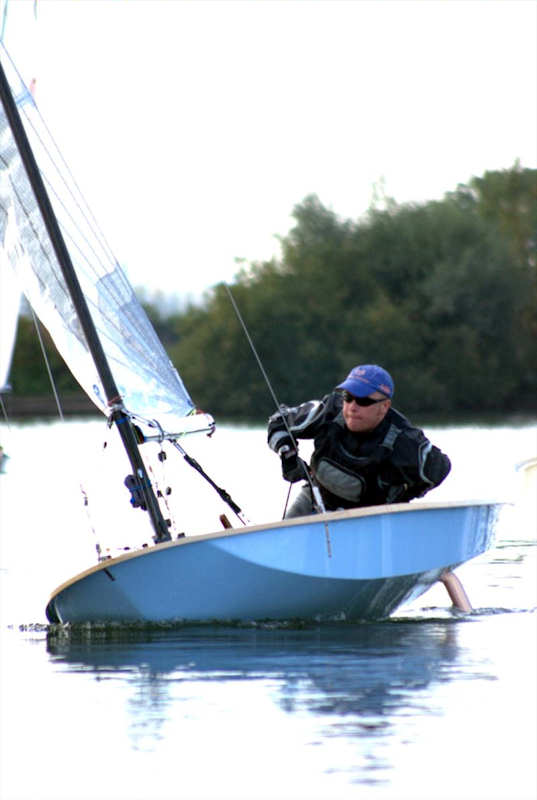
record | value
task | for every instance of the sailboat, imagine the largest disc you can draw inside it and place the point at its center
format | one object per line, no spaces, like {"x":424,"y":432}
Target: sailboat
{"x":357,"y":564}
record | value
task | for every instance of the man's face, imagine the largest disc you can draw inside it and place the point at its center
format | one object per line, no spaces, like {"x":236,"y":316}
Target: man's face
{"x":361,"y":419}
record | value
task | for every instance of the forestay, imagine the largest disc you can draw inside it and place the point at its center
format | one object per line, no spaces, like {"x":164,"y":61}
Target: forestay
{"x":147,"y":380}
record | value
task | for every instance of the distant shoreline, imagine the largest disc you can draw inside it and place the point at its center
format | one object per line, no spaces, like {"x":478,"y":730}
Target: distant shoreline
{"x":45,"y":405}
{"x":74,"y":405}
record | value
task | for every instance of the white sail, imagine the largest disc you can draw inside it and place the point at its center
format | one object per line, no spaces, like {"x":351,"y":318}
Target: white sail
{"x":147,"y":380}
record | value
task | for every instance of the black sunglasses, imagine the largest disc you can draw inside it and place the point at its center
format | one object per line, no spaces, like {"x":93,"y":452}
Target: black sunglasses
{"x":362,"y":401}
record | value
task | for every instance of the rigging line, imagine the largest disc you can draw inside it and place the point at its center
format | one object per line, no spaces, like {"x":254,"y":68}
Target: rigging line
{"x":85,"y":502}
{"x":4,"y":21}
{"x":166,"y":491}
{"x":34,"y":229}
{"x":46,"y":255}
{"x":254,"y":351}
{"x":61,"y":284}
{"x":315,"y":493}
{"x":287,"y":501}
{"x":86,"y":239}
{"x":4,"y":411}
{"x":94,"y":234}
{"x":80,"y":202}
{"x":79,"y":236}
{"x":218,"y":489}
{"x":47,"y":364}
{"x":68,"y":217}
{"x":95,"y":347}
{"x":172,"y":439}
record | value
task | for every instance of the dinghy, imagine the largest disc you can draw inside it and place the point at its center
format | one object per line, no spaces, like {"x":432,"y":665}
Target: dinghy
{"x":358,"y":564}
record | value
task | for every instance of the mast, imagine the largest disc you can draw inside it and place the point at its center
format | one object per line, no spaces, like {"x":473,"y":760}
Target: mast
{"x":118,"y":413}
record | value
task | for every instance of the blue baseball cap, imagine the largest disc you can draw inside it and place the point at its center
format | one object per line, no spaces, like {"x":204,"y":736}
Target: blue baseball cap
{"x":366,"y":379}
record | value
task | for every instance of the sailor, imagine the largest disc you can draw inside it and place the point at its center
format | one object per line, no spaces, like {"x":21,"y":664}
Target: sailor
{"x":365,"y":452}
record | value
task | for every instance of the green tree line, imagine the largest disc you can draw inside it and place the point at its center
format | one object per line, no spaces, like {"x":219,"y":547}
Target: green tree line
{"x":443,"y":294}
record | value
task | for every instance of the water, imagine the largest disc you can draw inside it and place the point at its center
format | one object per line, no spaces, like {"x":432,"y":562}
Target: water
{"x":429,"y":704}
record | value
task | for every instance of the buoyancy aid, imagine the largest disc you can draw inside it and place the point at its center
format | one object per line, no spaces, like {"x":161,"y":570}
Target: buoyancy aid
{"x":347,"y":467}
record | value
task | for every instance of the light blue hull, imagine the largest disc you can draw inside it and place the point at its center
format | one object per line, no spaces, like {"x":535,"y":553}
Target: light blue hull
{"x":362,"y":564}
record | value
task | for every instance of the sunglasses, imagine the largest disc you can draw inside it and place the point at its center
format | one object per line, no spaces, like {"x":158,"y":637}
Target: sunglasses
{"x":362,"y":401}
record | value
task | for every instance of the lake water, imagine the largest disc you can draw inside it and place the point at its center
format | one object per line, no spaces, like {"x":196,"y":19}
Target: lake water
{"x":429,"y":704}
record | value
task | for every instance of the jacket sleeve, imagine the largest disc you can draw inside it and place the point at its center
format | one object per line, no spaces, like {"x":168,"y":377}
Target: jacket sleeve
{"x":298,"y":422}
{"x":416,"y":467}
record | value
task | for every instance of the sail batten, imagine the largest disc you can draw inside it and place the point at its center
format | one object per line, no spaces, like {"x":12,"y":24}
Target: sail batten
{"x":148,"y":382}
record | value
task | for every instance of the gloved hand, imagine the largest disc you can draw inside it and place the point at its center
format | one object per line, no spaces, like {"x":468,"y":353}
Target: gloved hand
{"x":293,"y":468}
{"x":437,"y":466}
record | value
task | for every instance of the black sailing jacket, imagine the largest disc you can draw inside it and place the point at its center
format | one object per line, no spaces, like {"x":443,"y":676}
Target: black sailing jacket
{"x":393,"y":463}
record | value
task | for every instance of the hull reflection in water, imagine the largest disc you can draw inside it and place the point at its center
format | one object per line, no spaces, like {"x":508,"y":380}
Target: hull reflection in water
{"x":358,"y":564}
{"x":376,"y":664}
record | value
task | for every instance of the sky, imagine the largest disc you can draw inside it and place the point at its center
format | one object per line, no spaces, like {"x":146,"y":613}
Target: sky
{"x":193,"y":127}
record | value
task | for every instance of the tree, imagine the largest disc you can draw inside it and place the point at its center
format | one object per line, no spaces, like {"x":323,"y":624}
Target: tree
{"x":443,"y":294}
{"x":508,"y":199}
{"x":29,"y":375}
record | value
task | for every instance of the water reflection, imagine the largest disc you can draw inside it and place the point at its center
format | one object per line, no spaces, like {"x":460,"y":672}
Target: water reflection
{"x":368,"y":673}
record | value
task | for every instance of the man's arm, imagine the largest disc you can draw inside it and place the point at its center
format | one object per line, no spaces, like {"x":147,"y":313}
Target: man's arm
{"x":417,"y":466}
{"x":292,"y":423}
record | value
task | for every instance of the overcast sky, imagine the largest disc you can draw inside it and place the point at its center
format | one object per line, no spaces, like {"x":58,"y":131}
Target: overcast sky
{"x":194,"y":127}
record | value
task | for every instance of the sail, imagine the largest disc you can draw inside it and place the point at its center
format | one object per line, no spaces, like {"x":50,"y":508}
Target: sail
{"x":147,"y":381}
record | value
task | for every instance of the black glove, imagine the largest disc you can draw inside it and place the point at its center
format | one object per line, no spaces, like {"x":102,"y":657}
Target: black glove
{"x":437,"y":466}
{"x":293,"y":468}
